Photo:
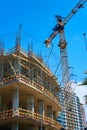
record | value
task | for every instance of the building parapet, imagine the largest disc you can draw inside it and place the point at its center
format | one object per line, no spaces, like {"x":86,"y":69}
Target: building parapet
{"x":31,"y":83}
{"x":28,"y":115}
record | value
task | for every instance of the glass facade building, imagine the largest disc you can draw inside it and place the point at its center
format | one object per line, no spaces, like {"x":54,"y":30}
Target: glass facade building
{"x":71,"y":117}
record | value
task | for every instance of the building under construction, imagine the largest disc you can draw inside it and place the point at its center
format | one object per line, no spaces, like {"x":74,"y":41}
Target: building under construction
{"x":27,"y":92}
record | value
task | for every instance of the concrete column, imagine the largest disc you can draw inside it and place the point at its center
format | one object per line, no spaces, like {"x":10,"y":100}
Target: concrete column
{"x":41,"y":107}
{"x":42,"y":77}
{"x":54,"y":115}
{"x":32,"y":72}
{"x":17,"y":66}
{"x":1,"y":71}
{"x":0,"y":103}
{"x":46,"y":128}
{"x":49,"y":112}
{"x":40,"y":127}
{"x":15,"y":126}
{"x":30,"y":127}
{"x":4,"y":107}
{"x":29,"y":70}
{"x":15,"y":101}
{"x":30,"y":103}
{"x":35,"y":127}
{"x":50,"y":83}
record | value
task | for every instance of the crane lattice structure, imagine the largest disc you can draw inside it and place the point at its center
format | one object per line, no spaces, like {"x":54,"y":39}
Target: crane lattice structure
{"x":59,"y":29}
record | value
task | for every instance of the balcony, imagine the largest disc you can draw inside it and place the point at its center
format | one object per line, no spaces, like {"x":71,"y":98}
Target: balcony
{"x":9,"y":81}
{"x":27,"y":115}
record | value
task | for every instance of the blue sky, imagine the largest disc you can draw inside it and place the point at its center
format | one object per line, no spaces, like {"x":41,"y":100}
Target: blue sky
{"x":37,"y":19}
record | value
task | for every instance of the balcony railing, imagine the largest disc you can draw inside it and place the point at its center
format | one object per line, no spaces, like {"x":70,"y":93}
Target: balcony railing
{"x":28,"y":115}
{"x":30,"y":83}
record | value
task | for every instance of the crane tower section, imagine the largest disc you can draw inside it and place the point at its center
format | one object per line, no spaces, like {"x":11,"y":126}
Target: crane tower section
{"x":59,"y":29}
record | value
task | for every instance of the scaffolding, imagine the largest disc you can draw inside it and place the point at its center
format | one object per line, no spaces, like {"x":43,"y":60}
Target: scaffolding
{"x":23,"y":75}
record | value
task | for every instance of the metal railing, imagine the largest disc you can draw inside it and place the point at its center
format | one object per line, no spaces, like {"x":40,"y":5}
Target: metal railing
{"x":28,"y":115}
{"x":30,"y":83}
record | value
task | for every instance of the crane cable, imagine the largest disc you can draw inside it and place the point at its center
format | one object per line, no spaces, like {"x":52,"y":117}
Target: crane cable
{"x":4,"y":35}
{"x":68,"y":4}
{"x":57,"y":68}
{"x":28,"y":34}
{"x":84,"y":35}
{"x":38,"y":42}
{"x":65,"y":7}
{"x":58,"y":65}
{"x":49,"y":54}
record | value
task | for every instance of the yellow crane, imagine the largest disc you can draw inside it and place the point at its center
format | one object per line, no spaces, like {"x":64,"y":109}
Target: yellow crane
{"x":59,"y":29}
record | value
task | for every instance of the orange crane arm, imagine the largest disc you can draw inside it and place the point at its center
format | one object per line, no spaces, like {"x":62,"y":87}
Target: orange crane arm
{"x":59,"y":28}
{"x":79,"y":5}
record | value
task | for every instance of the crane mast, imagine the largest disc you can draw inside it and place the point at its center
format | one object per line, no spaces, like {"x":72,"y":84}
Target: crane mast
{"x":59,"y":29}
{"x":62,"y":44}
{"x":62,"y":41}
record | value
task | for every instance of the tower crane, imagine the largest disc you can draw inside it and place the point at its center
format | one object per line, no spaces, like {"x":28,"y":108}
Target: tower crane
{"x":59,"y":29}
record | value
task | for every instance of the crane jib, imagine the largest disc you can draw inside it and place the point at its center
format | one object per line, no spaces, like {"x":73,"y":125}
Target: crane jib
{"x":79,"y":5}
